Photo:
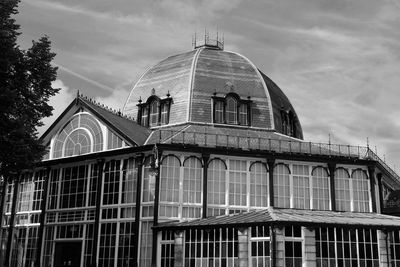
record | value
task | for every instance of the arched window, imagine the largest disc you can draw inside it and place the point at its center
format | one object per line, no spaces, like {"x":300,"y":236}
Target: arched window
{"x":216,"y":186}
{"x":243,"y":115}
{"x":342,"y":190}
{"x":231,"y":110}
{"x":81,"y":135}
{"x":301,"y":187}
{"x":145,"y":117}
{"x":320,"y":189}
{"x":77,"y":142}
{"x":148,"y":189}
{"x":282,"y":186}
{"x":238,"y":183}
{"x":154,"y":113}
{"x":360,"y":190}
{"x":258,"y":185}
{"x":219,"y":112}
{"x":192,"y":188}
{"x":164,"y":113}
{"x":169,"y":186}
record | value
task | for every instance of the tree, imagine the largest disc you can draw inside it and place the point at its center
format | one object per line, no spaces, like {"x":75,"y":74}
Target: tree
{"x":25,"y":89}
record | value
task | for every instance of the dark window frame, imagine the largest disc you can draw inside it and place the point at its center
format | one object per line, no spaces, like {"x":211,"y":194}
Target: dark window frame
{"x":146,"y":106}
{"x":239,"y":103}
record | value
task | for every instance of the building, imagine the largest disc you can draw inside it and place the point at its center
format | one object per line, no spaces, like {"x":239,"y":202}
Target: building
{"x":205,"y":166}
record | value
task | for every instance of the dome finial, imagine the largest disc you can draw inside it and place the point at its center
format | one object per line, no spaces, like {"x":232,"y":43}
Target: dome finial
{"x":211,"y":43}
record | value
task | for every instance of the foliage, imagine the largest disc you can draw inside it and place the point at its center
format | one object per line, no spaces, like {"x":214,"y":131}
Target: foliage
{"x":25,"y":89}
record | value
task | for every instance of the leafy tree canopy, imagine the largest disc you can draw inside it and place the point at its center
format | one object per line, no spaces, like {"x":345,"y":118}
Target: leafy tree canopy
{"x":25,"y":89}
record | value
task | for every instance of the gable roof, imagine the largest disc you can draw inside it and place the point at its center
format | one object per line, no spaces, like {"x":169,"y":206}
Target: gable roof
{"x":126,"y":127}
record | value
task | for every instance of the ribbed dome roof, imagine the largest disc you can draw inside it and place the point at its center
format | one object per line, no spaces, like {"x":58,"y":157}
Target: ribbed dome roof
{"x":191,"y":79}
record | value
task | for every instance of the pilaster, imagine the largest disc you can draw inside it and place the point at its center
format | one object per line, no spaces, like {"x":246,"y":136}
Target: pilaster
{"x":178,"y":252}
{"x":309,"y":251}
{"x":243,"y":247}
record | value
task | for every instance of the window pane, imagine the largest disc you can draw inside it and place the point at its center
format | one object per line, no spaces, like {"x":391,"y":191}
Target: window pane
{"x":231,"y":110}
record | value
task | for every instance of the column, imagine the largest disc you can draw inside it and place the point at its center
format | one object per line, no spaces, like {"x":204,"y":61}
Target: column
{"x":178,"y":246}
{"x":100,"y":164}
{"x":280,"y":247}
{"x":379,"y":175}
{"x":156,"y":206}
{"x":371,"y":174}
{"x":12,"y":218}
{"x":42,"y":217}
{"x":139,"y":161}
{"x":332,"y":167}
{"x":383,"y":246}
{"x":243,"y":247}
{"x":206,"y":158}
{"x":271,"y":165}
{"x":309,"y":250}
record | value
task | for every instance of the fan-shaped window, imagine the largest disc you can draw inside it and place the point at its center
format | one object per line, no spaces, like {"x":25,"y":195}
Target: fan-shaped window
{"x":81,"y":135}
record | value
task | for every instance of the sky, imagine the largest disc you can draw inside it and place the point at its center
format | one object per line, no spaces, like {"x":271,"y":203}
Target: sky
{"x":337,"y":61}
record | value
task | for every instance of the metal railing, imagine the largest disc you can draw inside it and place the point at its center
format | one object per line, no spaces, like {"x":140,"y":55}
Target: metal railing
{"x":206,"y":139}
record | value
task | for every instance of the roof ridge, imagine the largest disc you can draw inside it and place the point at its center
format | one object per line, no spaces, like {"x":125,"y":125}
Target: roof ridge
{"x":104,"y":107}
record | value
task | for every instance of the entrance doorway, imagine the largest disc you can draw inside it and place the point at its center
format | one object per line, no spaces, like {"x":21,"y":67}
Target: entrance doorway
{"x":68,"y":254}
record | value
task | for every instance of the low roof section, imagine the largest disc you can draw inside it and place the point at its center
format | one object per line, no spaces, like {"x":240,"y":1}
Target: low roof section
{"x":281,"y":217}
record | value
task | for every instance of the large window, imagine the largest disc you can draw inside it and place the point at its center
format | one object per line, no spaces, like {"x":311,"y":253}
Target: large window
{"x":111,"y":182}
{"x":192,"y":188}
{"x":260,"y":246}
{"x":238,"y":183}
{"x":352,"y":192}
{"x":394,"y":241}
{"x":320,"y":189}
{"x":167,"y":249}
{"x":282,"y":186}
{"x":301,"y":186}
{"x":293,"y":246}
{"x":346,"y":247}
{"x":258,"y":185}
{"x":81,"y":135}
{"x":231,"y":110}
{"x":360,"y":191}
{"x":169,"y":186}
{"x":73,"y":187}
{"x":216,"y":197}
{"x":154,"y":112}
{"x":241,"y":186}
{"x":214,"y":247}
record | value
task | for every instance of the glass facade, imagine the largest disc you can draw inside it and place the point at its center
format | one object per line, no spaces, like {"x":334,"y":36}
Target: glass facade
{"x":346,"y":247}
{"x":234,"y":185}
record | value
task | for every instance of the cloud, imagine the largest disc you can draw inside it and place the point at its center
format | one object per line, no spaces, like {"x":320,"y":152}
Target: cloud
{"x":59,"y":102}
